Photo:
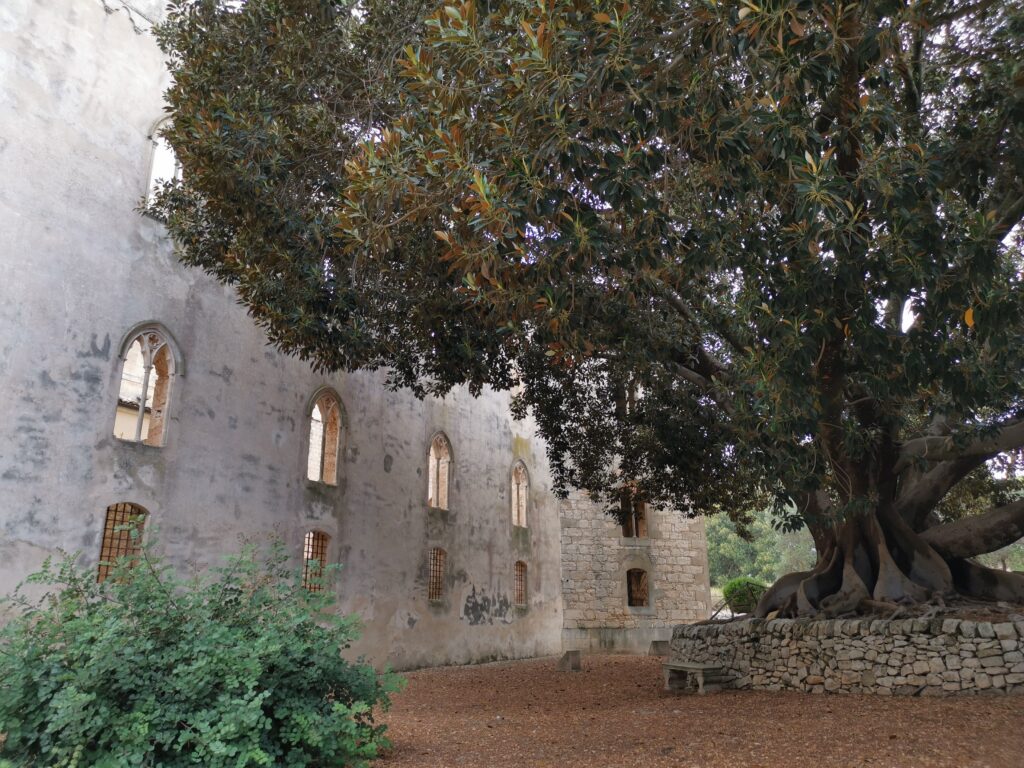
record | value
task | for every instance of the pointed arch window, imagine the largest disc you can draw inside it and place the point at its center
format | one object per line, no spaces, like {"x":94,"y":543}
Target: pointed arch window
{"x":122,"y":536}
{"x":163,"y":165}
{"x":324,"y":439}
{"x":314,"y":558}
{"x":439,"y":463}
{"x":520,"y":494}
{"x":147,"y":371}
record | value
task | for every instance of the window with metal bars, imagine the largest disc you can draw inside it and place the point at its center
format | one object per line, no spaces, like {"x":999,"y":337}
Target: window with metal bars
{"x":435,"y":586}
{"x":122,"y":536}
{"x":520,"y":572}
{"x":314,"y":558}
{"x":636,"y":588}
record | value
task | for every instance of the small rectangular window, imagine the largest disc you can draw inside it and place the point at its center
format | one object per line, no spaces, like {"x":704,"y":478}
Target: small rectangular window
{"x":520,"y":585}
{"x":435,"y":587}
{"x":314,"y":558}
{"x":121,"y":522}
{"x":636,"y":588}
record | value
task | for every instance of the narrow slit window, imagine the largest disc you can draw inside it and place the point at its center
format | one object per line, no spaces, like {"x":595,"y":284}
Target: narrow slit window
{"x":314,"y":558}
{"x":435,"y":585}
{"x":122,"y":536}
{"x":439,"y":469}
{"x":634,"y":524}
{"x":146,"y":375}
{"x":324,"y":440}
{"x":520,"y":494}
{"x":636,"y":588}
{"x":520,"y":584}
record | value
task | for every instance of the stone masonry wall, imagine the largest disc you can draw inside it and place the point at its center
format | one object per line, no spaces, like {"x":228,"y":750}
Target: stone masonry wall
{"x":901,"y":657}
{"x":595,"y":558}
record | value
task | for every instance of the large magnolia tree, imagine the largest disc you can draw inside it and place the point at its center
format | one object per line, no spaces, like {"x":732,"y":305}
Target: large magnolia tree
{"x":730,"y":251}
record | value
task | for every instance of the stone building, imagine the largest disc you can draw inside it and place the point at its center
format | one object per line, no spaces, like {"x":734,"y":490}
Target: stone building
{"x":132,"y":386}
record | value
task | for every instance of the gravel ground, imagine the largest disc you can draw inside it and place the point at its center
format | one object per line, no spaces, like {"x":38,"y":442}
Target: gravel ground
{"x":613,"y":715}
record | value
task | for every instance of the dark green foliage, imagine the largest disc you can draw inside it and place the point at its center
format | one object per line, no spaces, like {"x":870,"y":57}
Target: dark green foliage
{"x":742,"y":594}
{"x":238,"y":668}
{"x":688,"y":229}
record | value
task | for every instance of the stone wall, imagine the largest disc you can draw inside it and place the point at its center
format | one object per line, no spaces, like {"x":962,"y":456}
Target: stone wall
{"x":595,"y":558}
{"x":901,"y":657}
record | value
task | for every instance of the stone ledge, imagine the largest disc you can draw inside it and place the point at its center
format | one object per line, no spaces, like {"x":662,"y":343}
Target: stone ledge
{"x":930,"y":657}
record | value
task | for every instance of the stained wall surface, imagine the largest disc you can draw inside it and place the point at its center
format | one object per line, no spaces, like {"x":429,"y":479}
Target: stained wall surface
{"x":80,"y":96}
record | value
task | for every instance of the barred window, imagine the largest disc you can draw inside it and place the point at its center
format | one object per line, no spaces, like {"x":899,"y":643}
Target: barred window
{"x":147,"y":369}
{"x":324,"y":439}
{"x":122,"y":536}
{"x":314,"y":558}
{"x":636,"y":588}
{"x":439,"y":468}
{"x":520,"y":582}
{"x":435,"y":586}
{"x":520,"y":493}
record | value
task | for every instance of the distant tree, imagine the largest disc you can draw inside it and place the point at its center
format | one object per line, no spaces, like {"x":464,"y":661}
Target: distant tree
{"x":754,"y":548}
{"x":732,"y":252}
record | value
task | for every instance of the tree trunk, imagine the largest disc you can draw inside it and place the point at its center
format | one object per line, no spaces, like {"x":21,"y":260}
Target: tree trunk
{"x":875,"y":558}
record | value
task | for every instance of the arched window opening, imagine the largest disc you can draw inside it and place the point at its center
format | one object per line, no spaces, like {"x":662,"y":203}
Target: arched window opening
{"x":164,"y":165}
{"x":122,"y":536}
{"x":634,"y":523}
{"x":435,"y":584}
{"x":520,"y":583}
{"x":637,"y":594}
{"x":324,"y":440}
{"x":439,"y":469}
{"x":314,"y":558}
{"x":146,"y":374}
{"x":520,"y":493}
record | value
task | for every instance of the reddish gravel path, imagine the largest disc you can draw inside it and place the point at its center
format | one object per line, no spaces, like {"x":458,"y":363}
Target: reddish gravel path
{"x":612,"y":715}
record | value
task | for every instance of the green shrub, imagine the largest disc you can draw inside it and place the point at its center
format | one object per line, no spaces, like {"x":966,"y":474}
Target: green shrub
{"x":241,"y":667}
{"x":742,"y":594}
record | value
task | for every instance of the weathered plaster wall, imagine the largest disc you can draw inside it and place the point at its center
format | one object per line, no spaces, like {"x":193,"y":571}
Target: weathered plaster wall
{"x":80,"y":93}
{"x":930,"y":657}
{"x":595,"y":558}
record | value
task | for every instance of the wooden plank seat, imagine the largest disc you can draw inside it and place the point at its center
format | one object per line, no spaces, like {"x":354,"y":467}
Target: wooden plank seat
{"x":678,"y":675}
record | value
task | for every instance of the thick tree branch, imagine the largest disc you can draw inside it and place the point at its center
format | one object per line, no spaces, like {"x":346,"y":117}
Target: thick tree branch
{"x":942,"y":447}
{"x":978,"y":534}
{"x":920,"y":497}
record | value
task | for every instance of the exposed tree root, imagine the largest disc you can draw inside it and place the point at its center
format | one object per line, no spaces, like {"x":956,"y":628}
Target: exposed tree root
{"x":877,"y":564}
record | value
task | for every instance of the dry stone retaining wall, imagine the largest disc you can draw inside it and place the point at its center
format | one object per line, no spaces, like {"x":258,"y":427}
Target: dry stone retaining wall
{"x":899,"y":657}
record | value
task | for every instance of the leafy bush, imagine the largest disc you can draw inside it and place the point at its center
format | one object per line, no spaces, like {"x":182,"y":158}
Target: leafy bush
{"x":742,"y":594}
{"x":241,"y":667}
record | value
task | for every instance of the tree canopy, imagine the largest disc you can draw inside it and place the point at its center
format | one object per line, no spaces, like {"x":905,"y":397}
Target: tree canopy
{"x":731,"y":251}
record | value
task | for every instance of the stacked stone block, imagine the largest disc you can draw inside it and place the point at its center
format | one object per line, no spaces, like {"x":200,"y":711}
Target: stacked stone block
{"x":931,"y":657}
{"x":595,"y":558}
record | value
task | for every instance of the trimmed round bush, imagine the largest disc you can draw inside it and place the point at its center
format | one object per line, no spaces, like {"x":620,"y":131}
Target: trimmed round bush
{"x":239,"y":667}
{"x":742,"y":594}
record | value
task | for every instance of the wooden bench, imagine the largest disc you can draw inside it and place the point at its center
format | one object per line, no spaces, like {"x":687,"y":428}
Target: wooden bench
{"x":678,"y":674}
